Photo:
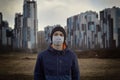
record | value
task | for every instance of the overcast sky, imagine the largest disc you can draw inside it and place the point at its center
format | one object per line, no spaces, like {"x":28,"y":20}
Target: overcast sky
{"x":52,"y":12}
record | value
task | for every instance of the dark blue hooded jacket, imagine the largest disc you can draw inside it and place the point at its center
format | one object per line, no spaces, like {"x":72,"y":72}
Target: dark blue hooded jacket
{"x":56,"y":65}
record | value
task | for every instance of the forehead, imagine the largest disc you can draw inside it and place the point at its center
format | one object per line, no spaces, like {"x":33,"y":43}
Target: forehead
{"x":58,"y":32}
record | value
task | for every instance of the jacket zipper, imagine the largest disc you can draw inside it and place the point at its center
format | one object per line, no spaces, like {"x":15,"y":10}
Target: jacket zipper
{"x":57,"y":65}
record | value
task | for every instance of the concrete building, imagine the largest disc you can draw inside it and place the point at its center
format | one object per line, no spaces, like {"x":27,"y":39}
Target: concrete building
{"x":47,"y":31}
{"x":41,"y":41}
{"x":4,"y":29}
{"x":110,"y":24}
{"x":83,"y":31}
{"x":65,"y":27}
{"x":9,"y":34}
{"x":1,"y":19}
{"x":30,"y":26}
{"x":18,"y":30}
{"x":6,"y":34}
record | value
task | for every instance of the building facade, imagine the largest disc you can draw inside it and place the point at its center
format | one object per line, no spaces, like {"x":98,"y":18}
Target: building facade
{"x":84,"y":31}
{"x":110,"y":24}
{"x":4,"y":29}
{"x":18,"y":30}
{"x":48,"y":31}
{"x":30,"y":26}
{"x":1,"y":19}
{"x":5,"y":34}
{"x":41,"y":41}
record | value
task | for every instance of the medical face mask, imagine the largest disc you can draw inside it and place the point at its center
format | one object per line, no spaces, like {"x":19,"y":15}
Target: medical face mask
{"x":58,"y":40}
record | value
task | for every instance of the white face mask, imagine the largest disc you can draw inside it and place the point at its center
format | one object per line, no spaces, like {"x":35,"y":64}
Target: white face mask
{"x":58,"y":40}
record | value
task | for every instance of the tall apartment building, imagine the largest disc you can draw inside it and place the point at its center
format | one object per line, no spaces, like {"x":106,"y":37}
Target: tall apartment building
{"x":41,"y":41}
{"x":18,"y":30}
{"x":5,"y":34}
{"x":1,"y":19}
{"x":48,"y":31}
{"x":6,"y":39}
{"x":72,"y":23}
{"x":84,"y":31}
{"x":9,"y":35}
{"x":110,"y":24}
{"x":30,"y":26}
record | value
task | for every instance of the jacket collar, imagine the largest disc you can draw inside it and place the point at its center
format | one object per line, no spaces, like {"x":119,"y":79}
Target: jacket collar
{"x":59,"y":52}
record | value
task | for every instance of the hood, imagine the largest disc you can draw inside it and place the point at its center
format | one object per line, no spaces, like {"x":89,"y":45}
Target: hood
{"x":59,"y":52}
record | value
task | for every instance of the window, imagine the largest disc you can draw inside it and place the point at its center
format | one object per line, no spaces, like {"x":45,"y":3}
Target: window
{"x":83,"y":27}
{"x":98,"y":28}
{"x":28,"y":34}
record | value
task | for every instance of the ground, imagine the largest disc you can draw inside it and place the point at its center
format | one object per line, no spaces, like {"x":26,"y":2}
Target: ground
{"x":20,"y":66}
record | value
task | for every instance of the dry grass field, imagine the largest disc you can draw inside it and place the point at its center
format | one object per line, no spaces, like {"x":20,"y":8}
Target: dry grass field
{"x":20,"y":66}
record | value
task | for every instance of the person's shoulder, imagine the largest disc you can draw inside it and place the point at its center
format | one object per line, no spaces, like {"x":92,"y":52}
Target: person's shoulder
{"x":70,"y":51}
{"x":44,"y":52}
{"x":73,"y":54}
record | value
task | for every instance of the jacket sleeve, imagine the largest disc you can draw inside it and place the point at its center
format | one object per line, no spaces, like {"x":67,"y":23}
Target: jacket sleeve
{"x":38,"y":71}
{"x":75,"y":69}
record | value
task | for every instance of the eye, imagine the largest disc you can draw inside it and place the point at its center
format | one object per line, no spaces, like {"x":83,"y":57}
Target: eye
{"x":61,"y":35}
{"x":56,"y":34}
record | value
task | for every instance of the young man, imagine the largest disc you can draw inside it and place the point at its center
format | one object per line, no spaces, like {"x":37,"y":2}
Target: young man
{"x":57,"y":62}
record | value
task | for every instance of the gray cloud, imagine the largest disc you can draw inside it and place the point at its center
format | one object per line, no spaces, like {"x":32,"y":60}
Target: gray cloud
{"x":9,"y":8}
{"x":101,"y":4}
{"x":57,"y":11}
{"x":52,"y":12}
